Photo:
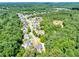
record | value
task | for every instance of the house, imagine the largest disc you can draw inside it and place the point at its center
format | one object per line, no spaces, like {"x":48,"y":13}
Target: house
{"x":21,"y":16}
{"x":24,"y":30}
{"x":35,"y":24}
{"x":40,"y":47}
{"x":26,"y":36}
{"x":26,"y":44}
{"x":41,"y":32}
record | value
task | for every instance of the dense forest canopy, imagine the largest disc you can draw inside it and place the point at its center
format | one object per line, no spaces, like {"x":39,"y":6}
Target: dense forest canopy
{"x":58,"y":41}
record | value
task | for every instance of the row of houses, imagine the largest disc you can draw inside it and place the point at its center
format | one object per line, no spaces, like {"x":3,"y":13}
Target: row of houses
{"x":30,"y":38}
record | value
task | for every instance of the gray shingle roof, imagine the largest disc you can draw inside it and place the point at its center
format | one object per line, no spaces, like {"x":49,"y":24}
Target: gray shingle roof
{"x":26,"y":36}
{"x":28,"y":43}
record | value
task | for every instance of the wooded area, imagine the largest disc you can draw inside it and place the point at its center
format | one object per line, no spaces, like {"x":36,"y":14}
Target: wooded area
{"x":58,"y":40}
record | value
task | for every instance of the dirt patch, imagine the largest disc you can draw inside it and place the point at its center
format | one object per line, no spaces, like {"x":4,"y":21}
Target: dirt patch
{"x":58,"y":23}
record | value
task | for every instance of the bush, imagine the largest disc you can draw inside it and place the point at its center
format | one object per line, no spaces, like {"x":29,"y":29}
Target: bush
{"x":42,"y":38}
{"x":34,"y":33}
{"x":29,"y":30}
